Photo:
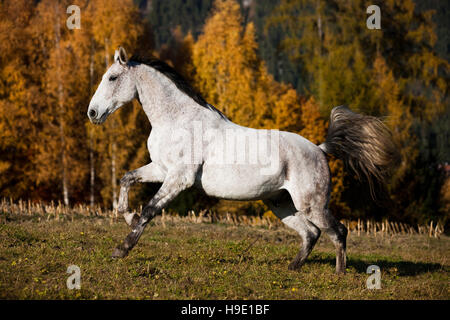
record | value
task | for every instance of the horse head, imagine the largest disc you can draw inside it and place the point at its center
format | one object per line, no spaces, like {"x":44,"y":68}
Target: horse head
{"x":116,"y":89}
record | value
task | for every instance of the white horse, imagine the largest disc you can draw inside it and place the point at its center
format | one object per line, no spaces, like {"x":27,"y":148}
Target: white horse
{"x":192,"y":144}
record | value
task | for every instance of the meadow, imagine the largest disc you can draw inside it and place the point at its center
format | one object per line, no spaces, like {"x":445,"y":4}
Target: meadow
{"x":195,"y":258}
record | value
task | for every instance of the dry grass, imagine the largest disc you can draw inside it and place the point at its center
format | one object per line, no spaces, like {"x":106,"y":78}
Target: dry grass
{"x":188,"y":258}
{"x":59,"y":212}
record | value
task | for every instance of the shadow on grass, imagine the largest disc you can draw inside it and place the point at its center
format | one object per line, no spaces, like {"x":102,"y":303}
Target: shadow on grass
{"x":402,"y":268}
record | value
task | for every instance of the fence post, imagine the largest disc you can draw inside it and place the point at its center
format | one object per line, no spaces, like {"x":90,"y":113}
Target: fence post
{"x":431,"y":229}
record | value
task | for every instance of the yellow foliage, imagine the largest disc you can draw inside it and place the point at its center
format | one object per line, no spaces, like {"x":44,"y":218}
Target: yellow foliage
{"x":230,"y":75}
{"x":314,"y":129}
{"x":399,"y":118}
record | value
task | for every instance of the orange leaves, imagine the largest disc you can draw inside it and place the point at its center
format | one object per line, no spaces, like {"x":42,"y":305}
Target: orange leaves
{"x":230,"y":75}
{"x":400,"y":120}
{"x":48,"y":74}
{"x":227,"y":70}
{"x":314,"y":129}
{"x":115,"y":22}
{"x":313,"y":126}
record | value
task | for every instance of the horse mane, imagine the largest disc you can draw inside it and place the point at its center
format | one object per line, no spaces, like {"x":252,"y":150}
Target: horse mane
{"x":177,"y":79}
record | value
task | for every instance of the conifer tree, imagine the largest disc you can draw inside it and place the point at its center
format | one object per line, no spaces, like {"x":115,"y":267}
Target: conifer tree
{"x":344,"y":62}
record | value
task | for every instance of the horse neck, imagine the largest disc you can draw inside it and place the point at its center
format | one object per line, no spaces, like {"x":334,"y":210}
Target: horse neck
{"x":161,"y":100}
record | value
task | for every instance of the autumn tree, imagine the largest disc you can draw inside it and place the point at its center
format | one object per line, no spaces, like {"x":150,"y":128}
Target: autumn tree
{"x":346,"y":63}
{"x":336,"y":49}
{"x":178,"y":53}
{"x":65,"y":87}
{"x":387,"y":94}
{"x":48,"y":75}
{"x":314,"y":129}
{"x":229,"y":73}
{"x":114,"y":24}
{"x":20,"y":100}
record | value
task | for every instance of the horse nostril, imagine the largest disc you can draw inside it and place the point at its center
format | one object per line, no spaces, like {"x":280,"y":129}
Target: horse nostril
{"x":92,"y":113}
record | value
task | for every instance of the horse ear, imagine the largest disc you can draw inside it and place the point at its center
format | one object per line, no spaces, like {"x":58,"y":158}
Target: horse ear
{"x":121,"y":56}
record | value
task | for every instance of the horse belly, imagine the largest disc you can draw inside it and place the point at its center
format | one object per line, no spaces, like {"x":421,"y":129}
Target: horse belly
{"x":239,"y":182}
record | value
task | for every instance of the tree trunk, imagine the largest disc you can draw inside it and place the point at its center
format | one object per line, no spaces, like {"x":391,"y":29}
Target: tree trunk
{"x":113,"y":143}
{"x":113,"y":173}
{"x":61,"y":110}
{"x":91,"y":142}
{"x":320,"y":35}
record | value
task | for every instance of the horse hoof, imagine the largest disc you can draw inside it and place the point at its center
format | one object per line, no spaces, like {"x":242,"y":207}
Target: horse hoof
{"x":119,"y":253}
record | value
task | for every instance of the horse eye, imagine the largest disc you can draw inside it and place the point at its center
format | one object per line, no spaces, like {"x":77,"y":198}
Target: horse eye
{"x":112,"y":78}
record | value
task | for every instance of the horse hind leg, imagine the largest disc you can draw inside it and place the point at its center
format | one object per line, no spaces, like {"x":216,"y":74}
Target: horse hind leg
{"x":312,"y":221}
{"x":309,"y":234}
{"x":315,"y":207}
{"x":338,"y":235}
{"x":284,"y":208}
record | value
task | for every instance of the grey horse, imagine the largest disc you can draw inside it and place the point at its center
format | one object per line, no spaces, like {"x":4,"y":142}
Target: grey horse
{"x":193,"y":144}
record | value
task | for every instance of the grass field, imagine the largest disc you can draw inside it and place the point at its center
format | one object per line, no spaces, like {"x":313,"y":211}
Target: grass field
{"x":186,"y":260}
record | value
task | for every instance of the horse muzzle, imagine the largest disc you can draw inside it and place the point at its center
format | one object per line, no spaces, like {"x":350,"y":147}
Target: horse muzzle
{"x":94,"y":116}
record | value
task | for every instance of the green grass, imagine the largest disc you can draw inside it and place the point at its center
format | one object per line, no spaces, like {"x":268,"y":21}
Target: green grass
{"x":210,"y":261}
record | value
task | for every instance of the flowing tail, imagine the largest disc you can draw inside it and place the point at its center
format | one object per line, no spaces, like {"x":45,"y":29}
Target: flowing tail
{"x":365,"y":145}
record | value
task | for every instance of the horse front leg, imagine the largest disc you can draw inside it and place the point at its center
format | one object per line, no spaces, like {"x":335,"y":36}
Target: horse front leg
{"x":170,"y":189}
{"x":148,"y":173}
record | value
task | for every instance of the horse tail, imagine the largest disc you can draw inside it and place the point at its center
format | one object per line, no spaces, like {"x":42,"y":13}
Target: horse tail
{"x":365,"y":145}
